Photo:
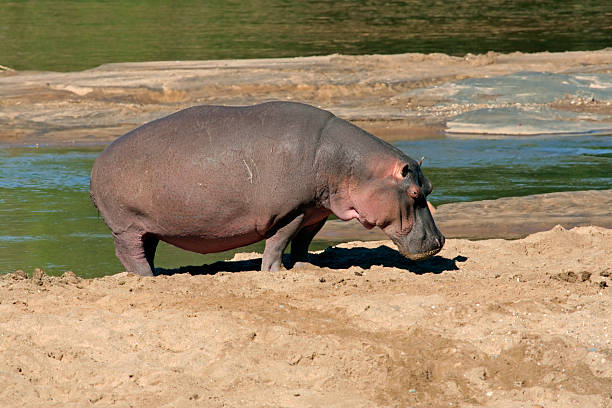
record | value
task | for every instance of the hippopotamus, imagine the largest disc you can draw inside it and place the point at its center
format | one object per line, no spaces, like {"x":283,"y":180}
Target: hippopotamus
{"x":213,"y":178}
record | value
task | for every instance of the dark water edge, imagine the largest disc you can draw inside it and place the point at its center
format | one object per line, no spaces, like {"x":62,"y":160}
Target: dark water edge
{"x":48,"y":221}
{"x":69,"y":35}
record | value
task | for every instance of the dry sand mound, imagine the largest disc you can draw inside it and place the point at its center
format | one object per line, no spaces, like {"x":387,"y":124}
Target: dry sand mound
{"x":497,"y":323}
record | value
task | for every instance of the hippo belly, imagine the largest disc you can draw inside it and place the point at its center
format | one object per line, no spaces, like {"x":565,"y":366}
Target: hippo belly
{"x":207,"y":245}
{"x":229,"y":237}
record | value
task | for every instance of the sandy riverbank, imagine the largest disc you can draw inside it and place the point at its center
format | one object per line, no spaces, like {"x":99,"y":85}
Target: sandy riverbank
{"x":494,"y":322}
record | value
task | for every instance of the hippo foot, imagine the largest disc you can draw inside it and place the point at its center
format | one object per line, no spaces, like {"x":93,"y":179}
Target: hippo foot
{"x":273,"y":267}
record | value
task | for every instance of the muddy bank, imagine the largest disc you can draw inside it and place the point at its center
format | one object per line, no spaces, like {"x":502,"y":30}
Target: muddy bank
{"x":508,"y":218}
{"x":495,"y":323}
{"x":376,"y":92}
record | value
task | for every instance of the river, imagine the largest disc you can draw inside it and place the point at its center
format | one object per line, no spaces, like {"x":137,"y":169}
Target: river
{"x":68,"y":35}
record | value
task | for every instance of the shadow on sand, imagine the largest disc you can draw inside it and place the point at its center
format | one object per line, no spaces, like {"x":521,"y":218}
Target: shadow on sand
{"x":333,"y":258}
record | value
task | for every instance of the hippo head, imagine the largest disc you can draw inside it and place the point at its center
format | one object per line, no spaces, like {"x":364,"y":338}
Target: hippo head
{"x":413,"y":230}
{"x":395,"y":200}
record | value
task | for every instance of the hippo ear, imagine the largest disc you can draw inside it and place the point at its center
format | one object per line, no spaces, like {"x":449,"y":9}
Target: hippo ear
{"x":399,"y":173}
{"x":421,"y":161}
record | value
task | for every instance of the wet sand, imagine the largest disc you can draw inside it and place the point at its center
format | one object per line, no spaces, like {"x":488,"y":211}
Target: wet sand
{"x":376,"y":91}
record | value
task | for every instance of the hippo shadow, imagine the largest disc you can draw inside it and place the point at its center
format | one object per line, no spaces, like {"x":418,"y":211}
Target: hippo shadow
{"x":333,"y":258}
{"x":366,"y":258}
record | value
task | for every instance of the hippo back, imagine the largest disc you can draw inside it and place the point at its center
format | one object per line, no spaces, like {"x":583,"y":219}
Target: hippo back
{"x":239,"y":167}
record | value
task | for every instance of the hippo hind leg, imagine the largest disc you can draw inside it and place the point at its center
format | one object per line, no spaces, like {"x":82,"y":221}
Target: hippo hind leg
{"x":136,"y":252}
{"x":301,"y":242}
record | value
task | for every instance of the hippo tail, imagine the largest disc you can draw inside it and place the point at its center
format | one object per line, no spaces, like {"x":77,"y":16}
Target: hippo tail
{"x":92,"y":196}
{"x":93,"y":200}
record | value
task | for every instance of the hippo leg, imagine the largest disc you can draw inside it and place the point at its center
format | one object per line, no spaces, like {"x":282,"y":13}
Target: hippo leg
{"x":276,"y":244}
{"x":300,"y":243}
{"x":150,"y":245}
{"x":136,"y":252}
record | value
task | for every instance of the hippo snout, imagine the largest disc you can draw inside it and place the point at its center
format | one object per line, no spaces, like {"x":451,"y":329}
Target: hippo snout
{"x":424,"y":241}
{"x":435,"y":247}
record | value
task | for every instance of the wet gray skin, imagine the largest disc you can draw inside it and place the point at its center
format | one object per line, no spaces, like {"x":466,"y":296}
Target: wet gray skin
{"x":210,"y":178}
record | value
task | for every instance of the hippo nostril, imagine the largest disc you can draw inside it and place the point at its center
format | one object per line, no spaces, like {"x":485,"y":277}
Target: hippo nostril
{"x":439,"y":242}
{"x":414,"y":192}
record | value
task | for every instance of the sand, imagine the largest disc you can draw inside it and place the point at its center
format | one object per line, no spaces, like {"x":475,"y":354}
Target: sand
{"x":485,"y":323}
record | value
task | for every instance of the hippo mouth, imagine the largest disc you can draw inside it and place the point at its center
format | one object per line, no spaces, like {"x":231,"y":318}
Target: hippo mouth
{"x":423,"y":255}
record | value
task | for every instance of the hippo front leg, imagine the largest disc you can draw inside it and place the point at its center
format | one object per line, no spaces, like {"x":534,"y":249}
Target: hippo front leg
{"x":276,"y":244}
{"x":302,"y":240}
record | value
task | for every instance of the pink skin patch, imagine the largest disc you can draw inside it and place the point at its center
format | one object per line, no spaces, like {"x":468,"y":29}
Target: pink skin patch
{"x":351,"y":214}
{"x":376,"y":198}
{"x":347,"y":215}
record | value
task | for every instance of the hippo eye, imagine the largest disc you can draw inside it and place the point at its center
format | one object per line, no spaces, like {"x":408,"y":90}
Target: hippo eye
{"x":405,"y":170}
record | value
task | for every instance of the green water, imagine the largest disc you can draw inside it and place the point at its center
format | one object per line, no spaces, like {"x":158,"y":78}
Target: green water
{"x":67,"y":35}
{"x":48,"y":221}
